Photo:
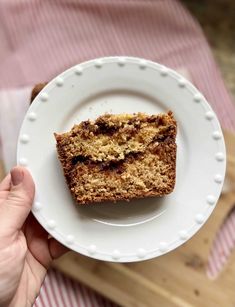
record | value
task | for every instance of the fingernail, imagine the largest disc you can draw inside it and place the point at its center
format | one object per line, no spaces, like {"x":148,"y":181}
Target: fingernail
{"x":17,"y":176}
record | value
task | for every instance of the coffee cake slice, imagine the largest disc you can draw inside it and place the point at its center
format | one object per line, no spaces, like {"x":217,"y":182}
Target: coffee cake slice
{"x":119,"y":157}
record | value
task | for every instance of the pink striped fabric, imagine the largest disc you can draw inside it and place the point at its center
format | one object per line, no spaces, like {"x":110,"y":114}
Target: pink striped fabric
{"x":61,"y":291}
{"x":41,"y":38}
{"x":223,"y":246}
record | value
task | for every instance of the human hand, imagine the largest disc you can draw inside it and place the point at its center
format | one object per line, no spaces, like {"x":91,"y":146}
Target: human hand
{"x":25,"y":250}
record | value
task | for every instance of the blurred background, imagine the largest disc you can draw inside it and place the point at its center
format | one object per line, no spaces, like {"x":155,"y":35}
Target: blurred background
{"x":217,"y":19}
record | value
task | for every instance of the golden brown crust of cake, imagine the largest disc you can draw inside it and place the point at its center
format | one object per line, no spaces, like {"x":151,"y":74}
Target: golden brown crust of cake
{"x":36,"y":90}
{"x":119,"y":157}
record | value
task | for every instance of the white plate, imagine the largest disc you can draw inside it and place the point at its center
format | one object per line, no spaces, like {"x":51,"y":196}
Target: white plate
{"x":141,"y":229}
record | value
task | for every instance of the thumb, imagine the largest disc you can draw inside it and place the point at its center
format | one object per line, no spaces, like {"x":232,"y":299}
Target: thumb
{"x":15,"y":209}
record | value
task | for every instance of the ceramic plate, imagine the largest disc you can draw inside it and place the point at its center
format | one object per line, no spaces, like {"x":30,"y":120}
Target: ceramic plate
{"x":141,"y":229}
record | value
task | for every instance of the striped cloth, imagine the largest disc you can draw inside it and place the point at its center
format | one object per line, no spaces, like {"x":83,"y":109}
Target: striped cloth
{"x":223,"y":245}
{"x":41,"y":38}
{"x":61,"y":291}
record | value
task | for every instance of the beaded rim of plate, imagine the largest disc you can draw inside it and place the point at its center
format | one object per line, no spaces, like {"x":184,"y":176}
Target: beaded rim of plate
{"x":210,"y":200}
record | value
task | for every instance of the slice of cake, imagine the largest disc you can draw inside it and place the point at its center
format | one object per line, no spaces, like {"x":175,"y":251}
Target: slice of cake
{"x":119,"y":157}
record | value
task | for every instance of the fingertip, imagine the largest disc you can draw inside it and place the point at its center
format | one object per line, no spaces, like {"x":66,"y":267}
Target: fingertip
{"x":57,"y":249}
{"x":18,"y":201}
{"x":17,"y":175}
{"x":21,"y":178}
{"x":21,"y":170}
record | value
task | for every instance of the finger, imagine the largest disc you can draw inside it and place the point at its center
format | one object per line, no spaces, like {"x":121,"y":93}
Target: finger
{"x":3,"y":196}
{"x":43,"y":249}
{"x":37,"y":241}
{"x":57,"y":249}
{"x":15,"y":209}
{"x":6,"y":183}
